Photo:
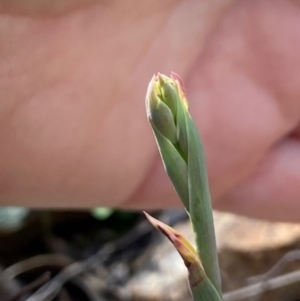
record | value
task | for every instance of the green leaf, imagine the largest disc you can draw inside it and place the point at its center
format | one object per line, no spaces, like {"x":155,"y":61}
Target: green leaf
{"x":201,"y":287}
{"x":184,"y":162}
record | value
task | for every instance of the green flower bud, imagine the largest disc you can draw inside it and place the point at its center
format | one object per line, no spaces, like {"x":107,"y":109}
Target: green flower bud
{"x":159,"y":114}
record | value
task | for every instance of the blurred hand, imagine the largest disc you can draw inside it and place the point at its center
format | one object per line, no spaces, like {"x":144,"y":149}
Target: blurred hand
{"x":73,"y":77}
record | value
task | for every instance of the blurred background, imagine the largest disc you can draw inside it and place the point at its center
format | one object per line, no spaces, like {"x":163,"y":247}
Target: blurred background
{"x":105,"y":254}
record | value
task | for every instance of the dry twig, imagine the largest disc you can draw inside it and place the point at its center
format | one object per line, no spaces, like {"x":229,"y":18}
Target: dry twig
{"x":262,"y":287}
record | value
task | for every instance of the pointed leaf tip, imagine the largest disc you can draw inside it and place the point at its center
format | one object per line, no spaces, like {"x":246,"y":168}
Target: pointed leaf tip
{"x":181,"y":88}
{"x":184,"y":248}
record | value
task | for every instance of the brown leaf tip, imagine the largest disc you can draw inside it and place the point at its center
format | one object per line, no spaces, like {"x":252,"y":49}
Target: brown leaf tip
{"x":184,"y":248}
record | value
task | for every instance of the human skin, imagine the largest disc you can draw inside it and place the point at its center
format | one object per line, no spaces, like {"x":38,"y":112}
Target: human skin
{"x":73,"y":79}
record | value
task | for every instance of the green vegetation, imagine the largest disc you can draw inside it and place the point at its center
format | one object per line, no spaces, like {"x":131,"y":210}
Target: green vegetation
{"x":183,"y":158}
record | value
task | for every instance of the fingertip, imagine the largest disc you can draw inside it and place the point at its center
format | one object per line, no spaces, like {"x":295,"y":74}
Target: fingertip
{"x":272,"y":192}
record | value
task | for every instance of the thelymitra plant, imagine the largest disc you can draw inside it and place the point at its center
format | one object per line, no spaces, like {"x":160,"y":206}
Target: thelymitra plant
{"x":182,"y":155}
